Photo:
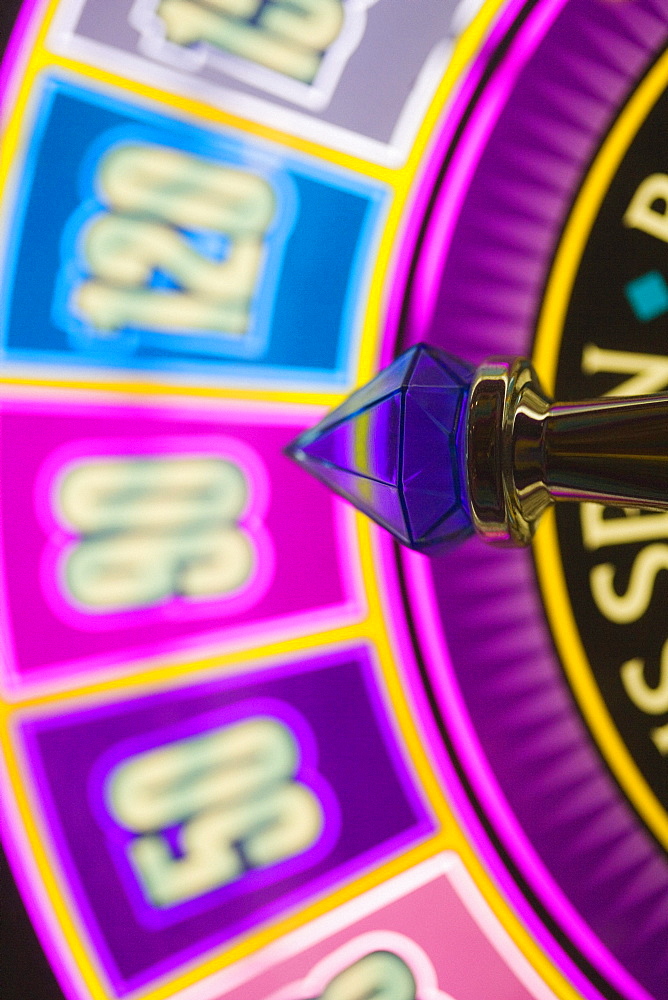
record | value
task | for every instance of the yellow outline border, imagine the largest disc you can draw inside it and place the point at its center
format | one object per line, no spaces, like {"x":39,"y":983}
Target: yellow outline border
{"x":448,"y":834}
{"x":547,"y":553}
{"x":399,"y":181}
{"x":373,"y":630}
{"x":371,"y":633}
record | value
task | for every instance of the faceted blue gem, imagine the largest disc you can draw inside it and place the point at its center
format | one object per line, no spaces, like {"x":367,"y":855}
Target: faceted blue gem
{"x":396,"y":449}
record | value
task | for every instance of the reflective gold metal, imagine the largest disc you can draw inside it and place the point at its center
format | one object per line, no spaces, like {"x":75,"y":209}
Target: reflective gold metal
{"x":524,"y":451}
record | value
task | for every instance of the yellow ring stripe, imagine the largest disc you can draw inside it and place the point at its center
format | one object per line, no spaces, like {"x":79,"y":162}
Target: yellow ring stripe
{"x":546,"y":352}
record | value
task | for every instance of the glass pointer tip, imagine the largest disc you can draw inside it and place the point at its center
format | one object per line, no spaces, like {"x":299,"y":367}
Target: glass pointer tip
{"x":434,"y":450}
{"x":393,"y":449}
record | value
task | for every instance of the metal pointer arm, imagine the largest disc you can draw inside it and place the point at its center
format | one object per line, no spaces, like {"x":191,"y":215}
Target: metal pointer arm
{"x":433,"y":449}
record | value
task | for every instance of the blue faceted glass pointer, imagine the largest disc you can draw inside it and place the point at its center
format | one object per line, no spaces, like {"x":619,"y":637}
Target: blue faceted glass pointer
{"x":395,"y":449}
{"x":434,"y":450}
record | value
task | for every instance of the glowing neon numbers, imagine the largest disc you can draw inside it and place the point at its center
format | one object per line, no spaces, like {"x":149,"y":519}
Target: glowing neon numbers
{"x":179,"y":247}
{"x":297,"y":48}
{"x":189,"y":815}
{"x":137,"y":530}
{"x":287,"y":37}
{"x":232,"y":795}
{"x":381,"y":964}
{"x":380,"y":974}
{"x":152,"y":528}
{"x":167,"y":246}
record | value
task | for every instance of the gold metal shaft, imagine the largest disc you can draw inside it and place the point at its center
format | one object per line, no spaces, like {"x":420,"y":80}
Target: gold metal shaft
{"x":524,"y":452}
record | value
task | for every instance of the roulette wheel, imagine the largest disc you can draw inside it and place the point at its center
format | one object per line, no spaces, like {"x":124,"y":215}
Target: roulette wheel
{"x":250,"y":747}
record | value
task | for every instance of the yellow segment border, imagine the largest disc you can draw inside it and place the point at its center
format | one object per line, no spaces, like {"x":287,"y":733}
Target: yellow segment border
{"x":399,"y":181}
{"x":546,"y":352}
{"x":373,"y":630}
{"x":372,"y":633}
{"x":448,"y":836}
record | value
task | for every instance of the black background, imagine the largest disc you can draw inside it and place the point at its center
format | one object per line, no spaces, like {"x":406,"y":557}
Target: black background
{"x":599,"y":313}
{"x":8,"y":12}
{"x":614,"y":256}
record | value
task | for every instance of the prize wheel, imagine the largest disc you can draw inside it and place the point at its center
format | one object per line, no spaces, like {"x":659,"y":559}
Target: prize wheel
{"x":251,"y":748}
